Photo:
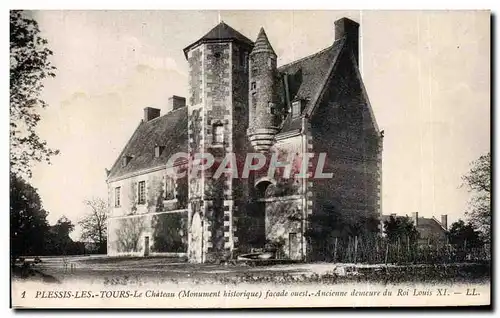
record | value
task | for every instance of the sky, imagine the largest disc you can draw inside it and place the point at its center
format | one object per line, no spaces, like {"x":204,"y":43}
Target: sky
{"x":427,"y":75}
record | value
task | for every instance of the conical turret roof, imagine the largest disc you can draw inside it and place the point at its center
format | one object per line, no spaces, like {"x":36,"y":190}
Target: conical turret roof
{"x":262,"y":43}
{"x":221,"y":32}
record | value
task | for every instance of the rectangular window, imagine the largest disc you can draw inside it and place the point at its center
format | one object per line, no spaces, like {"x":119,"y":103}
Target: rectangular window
{"x":272,"y":109}
{"x":169,"y":188}
{"x":296,"y":109}
{"x":142,"y":192}
{"x":158,"y":151}
{"x":254,"y":99}
{"x":218,"y":134}
{"x":117,"y":196}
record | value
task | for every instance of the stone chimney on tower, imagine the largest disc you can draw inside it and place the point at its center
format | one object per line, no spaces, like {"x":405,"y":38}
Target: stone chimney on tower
{"x":348,"y":29}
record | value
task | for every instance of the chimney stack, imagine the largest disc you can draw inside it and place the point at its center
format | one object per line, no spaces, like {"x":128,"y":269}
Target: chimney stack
{"x":175,"y":102}
{"x":414,"y":216}
{"x":151,"y":113}
{"x":350,"y":30}
{"x":444,"y":221}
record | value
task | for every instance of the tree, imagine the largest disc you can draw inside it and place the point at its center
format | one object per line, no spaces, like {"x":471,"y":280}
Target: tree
{"x":478,"y":182}
{"x":28,"y":219}
{"x":400,"y":228}
{"x":58,"y":240}
{"x":331,"y":228}
{"x":94,"y":224}
{"x":463,"y":235}
{"x":29,"y":66}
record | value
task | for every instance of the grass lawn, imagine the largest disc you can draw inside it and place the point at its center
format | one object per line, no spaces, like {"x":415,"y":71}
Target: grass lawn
{"x":138,"y":270}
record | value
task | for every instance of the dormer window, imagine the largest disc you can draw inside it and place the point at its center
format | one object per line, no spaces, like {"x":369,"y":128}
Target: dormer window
{"x":296,"y":108}
{"x":218,"y":134}
{"x":158,"y":150}
{"x":126,"y":160}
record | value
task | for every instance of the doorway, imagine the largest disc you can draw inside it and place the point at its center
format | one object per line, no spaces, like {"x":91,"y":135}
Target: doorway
{"x":146,"y":245}
{"x":257,"y":215}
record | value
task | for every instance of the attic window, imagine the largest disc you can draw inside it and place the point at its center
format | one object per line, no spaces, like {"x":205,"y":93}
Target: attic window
{"x":296,"y":109}
{"x":126,"y":160}
{"x":158,"y":150}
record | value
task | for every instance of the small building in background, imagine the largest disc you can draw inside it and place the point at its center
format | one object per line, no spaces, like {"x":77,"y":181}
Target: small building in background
{"x":431,"y":230}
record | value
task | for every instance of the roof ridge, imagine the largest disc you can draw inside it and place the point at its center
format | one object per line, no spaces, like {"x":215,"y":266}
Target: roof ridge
{"x":311,"y":55}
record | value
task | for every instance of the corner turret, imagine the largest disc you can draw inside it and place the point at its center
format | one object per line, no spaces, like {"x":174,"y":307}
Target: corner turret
{"x":263,"y":97}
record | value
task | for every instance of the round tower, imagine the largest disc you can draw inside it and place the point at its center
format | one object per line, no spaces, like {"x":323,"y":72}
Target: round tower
{"x":263,"y":97}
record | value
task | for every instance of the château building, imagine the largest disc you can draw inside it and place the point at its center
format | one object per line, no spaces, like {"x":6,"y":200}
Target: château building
{"x":240,"y":101}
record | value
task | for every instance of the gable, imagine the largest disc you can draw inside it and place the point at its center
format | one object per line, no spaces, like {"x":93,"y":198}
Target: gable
{"x":430,"y":224}
{"x":344,"y":87}
{"x":168,"y":131}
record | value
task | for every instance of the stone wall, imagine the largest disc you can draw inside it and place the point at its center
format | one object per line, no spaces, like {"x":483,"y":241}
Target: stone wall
{"x":131,"y":221}
{"x":283,"y":222}
{"x":240,"y":187}
{"x":218,"y":108}
{"x":166,"y":233}
{"x":342,"y":128}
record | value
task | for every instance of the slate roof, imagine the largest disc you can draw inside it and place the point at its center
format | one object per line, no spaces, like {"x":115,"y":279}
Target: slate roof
{"x":169,"y":130}
{"x":221,"y":31}
{"x":262,"y":43}
{"x":307,"y":77}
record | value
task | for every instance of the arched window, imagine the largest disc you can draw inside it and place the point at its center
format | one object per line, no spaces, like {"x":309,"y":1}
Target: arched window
{"x":218,"y":134}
